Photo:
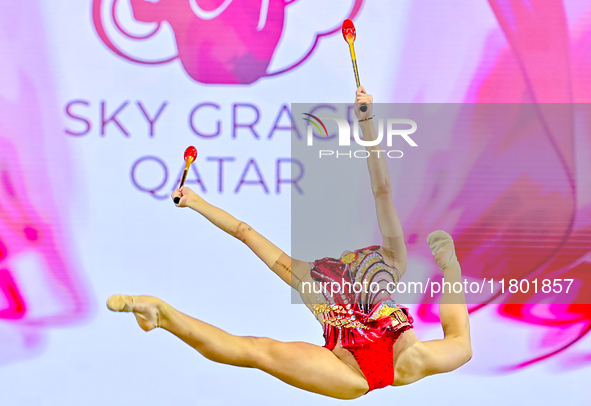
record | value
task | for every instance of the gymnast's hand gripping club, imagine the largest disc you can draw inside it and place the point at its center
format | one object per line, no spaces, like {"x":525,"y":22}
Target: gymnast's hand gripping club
{"x":190,"y":157}
{"x":350,"y":35}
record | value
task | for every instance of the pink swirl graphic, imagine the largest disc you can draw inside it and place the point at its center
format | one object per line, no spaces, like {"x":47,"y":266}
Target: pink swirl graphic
{"x":218,"y":42}
{"x":515,"y":198}
{"x":39,"y":286}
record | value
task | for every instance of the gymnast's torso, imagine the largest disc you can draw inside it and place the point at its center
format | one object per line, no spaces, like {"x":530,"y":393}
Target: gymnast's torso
{"x":351,"y":297}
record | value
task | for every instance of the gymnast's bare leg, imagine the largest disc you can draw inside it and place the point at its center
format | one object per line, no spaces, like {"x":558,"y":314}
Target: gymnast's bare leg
{"x":310,"y":367}
{"x":305,"y":366}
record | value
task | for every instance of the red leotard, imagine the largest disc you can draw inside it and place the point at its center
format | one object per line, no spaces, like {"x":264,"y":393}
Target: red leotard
{"x":365,"y":319}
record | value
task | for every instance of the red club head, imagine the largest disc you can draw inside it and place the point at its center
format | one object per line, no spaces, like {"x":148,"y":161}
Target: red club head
{"x":349,"y":31}
{"x":191,"y":153}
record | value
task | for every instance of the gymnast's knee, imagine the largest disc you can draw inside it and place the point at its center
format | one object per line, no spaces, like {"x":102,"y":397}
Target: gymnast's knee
{"x":259,"y":351}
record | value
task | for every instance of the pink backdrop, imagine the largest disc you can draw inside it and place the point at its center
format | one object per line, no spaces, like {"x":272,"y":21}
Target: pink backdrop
{"x":217,"y":52}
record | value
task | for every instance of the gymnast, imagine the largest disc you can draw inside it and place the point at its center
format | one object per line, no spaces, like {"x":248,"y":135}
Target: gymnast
{"x":370,"y":342}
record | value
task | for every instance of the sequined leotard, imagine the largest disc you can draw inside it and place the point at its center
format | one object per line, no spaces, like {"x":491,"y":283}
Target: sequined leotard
{"x":362,"y":315}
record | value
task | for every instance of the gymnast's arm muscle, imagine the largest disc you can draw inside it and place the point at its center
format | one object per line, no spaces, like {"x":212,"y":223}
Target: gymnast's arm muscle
{"x":388,"y":220}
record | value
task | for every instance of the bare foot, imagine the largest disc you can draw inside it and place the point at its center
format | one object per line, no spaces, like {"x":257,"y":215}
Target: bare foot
{"x":442,"y":247}
{"x":147,"y":309}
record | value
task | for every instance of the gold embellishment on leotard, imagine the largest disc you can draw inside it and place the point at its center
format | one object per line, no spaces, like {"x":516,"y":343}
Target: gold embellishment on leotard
{"x":339,"y":316}
{"x":399,"y":318}
{"x":345,"y":323}
{"x":321,"y":308}
{"x":385,"y":309}
{"x":402,"y":316}
{"x":349,"y":258}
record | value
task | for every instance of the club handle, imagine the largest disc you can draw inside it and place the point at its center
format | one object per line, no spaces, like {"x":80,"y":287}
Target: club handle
{"x":363,"y":107}
{"x":178,"y":199}
{"x":183,"y":179}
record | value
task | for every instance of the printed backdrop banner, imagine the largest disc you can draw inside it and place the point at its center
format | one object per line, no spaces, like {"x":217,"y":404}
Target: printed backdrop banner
{"x":99,"y":99}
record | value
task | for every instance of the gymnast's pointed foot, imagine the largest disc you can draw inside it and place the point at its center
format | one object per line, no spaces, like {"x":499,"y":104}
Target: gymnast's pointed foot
{"x":442,"y":247}
{"x":147,"y":309}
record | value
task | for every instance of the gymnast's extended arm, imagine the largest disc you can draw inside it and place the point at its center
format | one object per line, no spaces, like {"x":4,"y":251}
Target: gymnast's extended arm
{"x":390,"y":226}
{"x":278,"y":261}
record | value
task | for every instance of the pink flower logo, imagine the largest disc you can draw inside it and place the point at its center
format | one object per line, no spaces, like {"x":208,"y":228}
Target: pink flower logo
{"x":217,"y":41}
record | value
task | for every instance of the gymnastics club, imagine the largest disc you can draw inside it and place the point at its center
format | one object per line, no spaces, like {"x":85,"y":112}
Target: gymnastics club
{"x":350,"y":35}
{"x":190,"y":157}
